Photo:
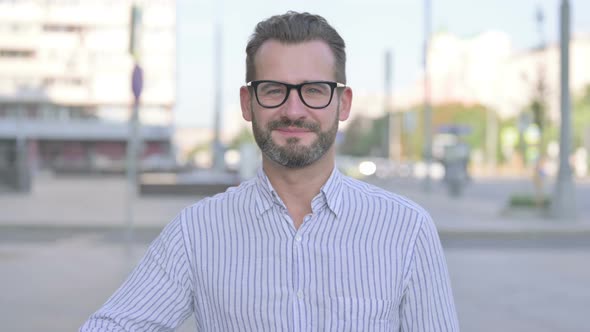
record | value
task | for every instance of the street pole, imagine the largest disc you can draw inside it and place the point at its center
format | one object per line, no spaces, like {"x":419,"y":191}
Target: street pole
{"x":491,"y":140}
{"x":133,"y":138}
{"x":218,"y":157}
{"x":540,"y":18}
{"x":387,"y":107}
{"x":23,"y":180}
{"x":563,"y":203}
{"x":393,"y":123}
{"x":539,"y":111}
{"x":427,"y":152}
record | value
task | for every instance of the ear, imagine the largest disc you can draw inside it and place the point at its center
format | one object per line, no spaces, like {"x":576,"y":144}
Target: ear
{"x":245,"y":103}
{"x":345,"y":104}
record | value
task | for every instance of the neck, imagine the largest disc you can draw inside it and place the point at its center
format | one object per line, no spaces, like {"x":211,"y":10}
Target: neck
{"x":297,"y":187}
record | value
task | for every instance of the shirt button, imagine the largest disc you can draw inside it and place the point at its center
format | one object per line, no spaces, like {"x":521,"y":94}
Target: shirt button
{"x":298,"y":238}
{"x":300,"y":294}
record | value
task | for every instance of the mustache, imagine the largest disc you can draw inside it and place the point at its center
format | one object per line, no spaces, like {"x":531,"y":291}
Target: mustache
{"x":285,"y":122}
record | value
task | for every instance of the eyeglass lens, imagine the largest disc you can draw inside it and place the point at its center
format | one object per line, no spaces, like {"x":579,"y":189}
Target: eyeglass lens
{"x":314,"y":94}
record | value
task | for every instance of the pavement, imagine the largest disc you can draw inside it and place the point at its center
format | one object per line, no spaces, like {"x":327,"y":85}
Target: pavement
{"x":74,"y":202}
{"x":482,"y":209}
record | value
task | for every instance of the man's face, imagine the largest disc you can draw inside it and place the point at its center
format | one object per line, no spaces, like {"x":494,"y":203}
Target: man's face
{"x":294,"y":135}
{"x":293,"y":154}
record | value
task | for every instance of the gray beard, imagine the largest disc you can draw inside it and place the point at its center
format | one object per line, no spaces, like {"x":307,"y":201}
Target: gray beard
{"x":294,"y":155}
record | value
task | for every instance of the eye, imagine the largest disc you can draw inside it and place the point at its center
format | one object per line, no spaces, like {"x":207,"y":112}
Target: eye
{"x":316,"y":89}
{"x":271,"y":89}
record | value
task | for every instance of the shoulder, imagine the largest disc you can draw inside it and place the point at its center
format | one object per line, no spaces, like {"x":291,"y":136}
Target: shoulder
{"x":213,"y":207}
{"x":375,"y":195}
{"x":393,"y":216}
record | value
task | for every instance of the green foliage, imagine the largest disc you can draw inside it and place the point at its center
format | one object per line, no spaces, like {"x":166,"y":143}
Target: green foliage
{"x":529,"y":201}
{"x":413,"y":140}
{"x":504,"y":124}
{"x":581,"y":117}
{"x":363,"y":137}
{"x":244,"y":136}
{"x":475,"y":117}
{"x":472,"y":116}
{"x":367,"y":137}
{"x":538,"y":109}
{"x":206,"y":146}
{"x":580,"y":121}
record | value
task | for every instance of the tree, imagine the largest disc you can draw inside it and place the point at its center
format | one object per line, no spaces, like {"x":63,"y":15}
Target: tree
{"x":363,"y":137}
{"x":581,"y":119}
{"x":243,"y":136}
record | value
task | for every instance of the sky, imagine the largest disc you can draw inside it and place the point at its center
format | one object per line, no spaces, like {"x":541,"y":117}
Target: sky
{"x":368,"y":27}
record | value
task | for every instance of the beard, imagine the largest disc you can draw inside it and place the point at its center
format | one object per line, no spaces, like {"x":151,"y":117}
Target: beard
{"x":293,"y":154}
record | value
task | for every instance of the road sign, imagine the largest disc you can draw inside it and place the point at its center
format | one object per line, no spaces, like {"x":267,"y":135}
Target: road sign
{"x":137,"y":81}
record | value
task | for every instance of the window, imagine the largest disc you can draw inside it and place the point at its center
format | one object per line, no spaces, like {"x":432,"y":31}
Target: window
{"x":52,"y":27}
{"x":70,"y":81}
{"x":13,"y":53}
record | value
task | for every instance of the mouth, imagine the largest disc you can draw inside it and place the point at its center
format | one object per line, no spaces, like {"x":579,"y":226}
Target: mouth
{"x":293,"y":130}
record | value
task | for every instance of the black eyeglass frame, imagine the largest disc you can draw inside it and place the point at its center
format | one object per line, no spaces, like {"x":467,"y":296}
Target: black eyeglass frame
{"x":333,"y":86}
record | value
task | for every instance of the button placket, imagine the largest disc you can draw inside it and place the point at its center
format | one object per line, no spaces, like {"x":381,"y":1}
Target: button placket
{"x":300,"y":294}
{"x":298,"y":289}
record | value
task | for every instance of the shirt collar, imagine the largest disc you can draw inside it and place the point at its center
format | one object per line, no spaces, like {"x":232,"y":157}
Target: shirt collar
{"x":266,"y":193}
{"x":330,"y":193}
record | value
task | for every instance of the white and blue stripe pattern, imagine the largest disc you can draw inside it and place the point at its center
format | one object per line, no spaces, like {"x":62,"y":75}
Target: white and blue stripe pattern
{"x":364,"y":260}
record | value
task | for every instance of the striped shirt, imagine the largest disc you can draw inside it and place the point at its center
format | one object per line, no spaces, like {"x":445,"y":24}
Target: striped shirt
{"x":364,"y":260}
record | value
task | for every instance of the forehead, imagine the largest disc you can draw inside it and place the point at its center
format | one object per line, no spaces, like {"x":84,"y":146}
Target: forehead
{"x":294,"y":63}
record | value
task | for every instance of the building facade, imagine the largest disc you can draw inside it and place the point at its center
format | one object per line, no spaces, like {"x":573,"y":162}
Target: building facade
{"x":485,"y":69}
{"x":65,"y":82}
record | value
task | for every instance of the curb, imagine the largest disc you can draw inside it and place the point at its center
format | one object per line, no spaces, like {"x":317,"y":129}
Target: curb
{"x":76,"y":228}
{"x":448,"y":231}
{"x":517,"y":233}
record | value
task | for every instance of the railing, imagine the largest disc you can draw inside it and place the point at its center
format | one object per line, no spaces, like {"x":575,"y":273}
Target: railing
{"x":78,"y":129}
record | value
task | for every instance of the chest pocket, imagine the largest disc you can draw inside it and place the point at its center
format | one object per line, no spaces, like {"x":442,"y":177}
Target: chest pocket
{"x":358,"y":314}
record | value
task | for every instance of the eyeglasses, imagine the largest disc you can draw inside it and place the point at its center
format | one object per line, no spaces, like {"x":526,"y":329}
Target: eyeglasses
{"x":316,"y":94}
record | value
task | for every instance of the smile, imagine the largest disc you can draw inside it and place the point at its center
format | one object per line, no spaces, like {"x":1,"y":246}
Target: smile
{"x":293,"y":130}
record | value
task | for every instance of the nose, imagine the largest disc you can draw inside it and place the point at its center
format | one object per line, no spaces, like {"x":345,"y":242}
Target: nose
{"x":294,"y":108}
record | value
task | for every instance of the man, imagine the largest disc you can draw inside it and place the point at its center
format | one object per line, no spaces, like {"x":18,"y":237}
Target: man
{"x":301,"y":247}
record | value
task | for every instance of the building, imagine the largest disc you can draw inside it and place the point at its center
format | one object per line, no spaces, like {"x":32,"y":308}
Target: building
{"x":486,"y":70}
{"x":65,"y":91}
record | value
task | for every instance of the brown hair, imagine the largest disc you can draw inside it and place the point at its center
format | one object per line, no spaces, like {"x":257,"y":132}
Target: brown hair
{"x":294,"y":27}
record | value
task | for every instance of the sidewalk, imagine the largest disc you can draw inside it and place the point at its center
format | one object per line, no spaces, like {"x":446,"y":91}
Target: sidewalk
{"x":102,"y":203}
{"x":470,"y":214}
{"x":86,"y":202}
{"x":467,"y":215}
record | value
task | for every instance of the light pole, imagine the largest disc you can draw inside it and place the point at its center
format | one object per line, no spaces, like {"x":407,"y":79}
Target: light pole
{"x":427,"y":152}
{"x":134,"y":125}
{"x":218,"y":157}
{"x":393,"y":135}
{"x":387,"y":107}
{"x":563,"y":203}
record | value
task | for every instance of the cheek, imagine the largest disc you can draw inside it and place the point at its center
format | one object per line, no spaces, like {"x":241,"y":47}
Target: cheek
{"x":260,"y":120}
{"x":261,"y":117}
{"x":328,"y":120}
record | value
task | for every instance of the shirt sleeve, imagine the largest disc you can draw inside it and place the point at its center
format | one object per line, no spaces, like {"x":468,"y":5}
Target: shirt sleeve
{"x":157,"y":296}
{"x":428,"y":303}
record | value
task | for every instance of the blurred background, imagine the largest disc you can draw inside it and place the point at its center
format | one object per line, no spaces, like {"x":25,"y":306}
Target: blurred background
{"x":114,"y":115}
